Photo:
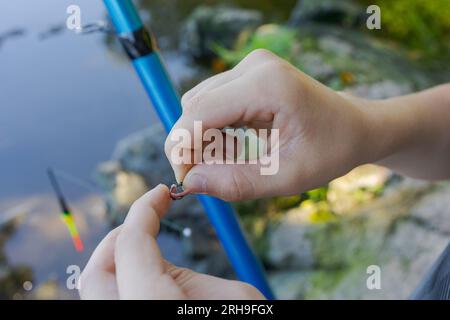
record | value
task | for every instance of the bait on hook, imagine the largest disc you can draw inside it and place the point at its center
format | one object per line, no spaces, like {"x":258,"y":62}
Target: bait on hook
{"x":177,"y":191}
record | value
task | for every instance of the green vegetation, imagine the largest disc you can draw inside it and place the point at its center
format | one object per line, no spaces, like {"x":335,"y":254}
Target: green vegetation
{"x":277,"y":39}
{"x":422,"y":26}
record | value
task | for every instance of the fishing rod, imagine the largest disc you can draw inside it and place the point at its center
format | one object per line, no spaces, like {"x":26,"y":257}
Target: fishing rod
{"x":142,"y":50}
{"x":66,"y":215}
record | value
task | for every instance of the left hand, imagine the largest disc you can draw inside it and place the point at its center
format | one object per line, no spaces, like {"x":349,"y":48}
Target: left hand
{"x":128,"y":264}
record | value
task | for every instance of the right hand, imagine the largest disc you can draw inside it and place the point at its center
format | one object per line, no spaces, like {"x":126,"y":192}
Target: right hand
{"x":321,"y":132}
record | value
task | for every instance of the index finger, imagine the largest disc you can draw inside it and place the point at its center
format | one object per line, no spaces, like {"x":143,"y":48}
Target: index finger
{"x":147,"y":211}
{"x":139,"y":263}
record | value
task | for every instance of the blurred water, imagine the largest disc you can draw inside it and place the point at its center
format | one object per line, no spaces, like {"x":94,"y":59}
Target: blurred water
{"x":65,"y":100}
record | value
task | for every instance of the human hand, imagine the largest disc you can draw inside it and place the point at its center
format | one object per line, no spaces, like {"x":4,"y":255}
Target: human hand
{"x":321,"y":132}
{"x":128,"y":264}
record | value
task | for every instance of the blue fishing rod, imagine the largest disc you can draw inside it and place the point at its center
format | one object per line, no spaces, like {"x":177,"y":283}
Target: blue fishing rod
{"x":141,"y":48}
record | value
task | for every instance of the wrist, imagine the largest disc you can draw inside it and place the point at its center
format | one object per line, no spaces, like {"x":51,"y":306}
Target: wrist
{"x":392,"y":127}
{"x":381,"y":132}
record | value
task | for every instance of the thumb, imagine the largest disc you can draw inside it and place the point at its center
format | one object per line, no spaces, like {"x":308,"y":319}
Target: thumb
{"x":230,"y":182}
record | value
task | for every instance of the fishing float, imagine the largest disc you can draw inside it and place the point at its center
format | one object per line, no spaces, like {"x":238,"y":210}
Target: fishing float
{"x":66,"y":215}
{"x":141,"y":48}
{"x":166,"y":224}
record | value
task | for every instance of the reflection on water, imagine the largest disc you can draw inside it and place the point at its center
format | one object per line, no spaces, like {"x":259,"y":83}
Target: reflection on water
{"x":42,"y":241}
{"x":65,"y":100}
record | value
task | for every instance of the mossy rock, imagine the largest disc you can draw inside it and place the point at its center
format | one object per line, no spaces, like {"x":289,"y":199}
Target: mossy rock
{"x":340,"y":58}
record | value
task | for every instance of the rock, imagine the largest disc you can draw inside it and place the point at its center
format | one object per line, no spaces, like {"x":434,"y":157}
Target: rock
{"x":319,"y":243}
{"x":289,"y":285}
{"x":364,"y":65}
{"x":411,"y":239}
{"x":408,"y":254}
{"x":129,"y":187}
{"x":342,"y":12}
{"x":290,"y":247}
{"x":217,"y":264}
{"x":105,"y":175}
{"x":402,"y":232}
{"x":139,"y":164}
{"x":357,"y":187}
{"x":210,"y":26}
{"x":333,"y":44}
{"x":433,"y":210}
{"x":404,"y":256}
{"x":143,"y":154}
{"x":316,"y":65}
{"x":381,"y":90}
{"x":342,"y":59}
{"x":202,"y":241}
{"x":404,"y":260}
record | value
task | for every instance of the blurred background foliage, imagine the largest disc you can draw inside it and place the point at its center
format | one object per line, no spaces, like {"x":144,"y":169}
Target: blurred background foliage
{"x":421,"y":26}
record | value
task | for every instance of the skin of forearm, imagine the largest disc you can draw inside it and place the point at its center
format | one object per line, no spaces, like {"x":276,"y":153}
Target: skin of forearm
{"x":411,"y":134}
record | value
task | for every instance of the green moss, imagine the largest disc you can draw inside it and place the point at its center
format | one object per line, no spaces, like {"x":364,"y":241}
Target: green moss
{"x":316,"y":195}
{"x":423,"y":26}
{"x":280,"y":40}
{"x":255,"y":217}
{"x":285,"y":203}
{"x":322,"y":213}
{"x":346,"y":242}
{"x":323,"y":282}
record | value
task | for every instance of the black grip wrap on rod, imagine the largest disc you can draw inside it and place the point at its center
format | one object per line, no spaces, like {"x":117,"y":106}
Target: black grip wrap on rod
{"x":138,"y":43}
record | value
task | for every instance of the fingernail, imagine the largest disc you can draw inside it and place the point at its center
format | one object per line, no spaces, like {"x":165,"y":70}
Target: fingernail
{"x":162,"y":186}
{"x":179,"y":174}
{"x":195,"y":183}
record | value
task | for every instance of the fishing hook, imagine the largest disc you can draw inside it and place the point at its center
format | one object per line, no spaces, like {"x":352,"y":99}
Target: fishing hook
{"x":177,"y":191}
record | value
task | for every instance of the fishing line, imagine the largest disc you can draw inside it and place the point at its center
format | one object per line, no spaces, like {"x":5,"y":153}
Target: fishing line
{"x":14,"y":33}
{"x":96,"y":27}
{"x":78,"y":181}
{"x":169,"y":226}
{"x":177,"y":191}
